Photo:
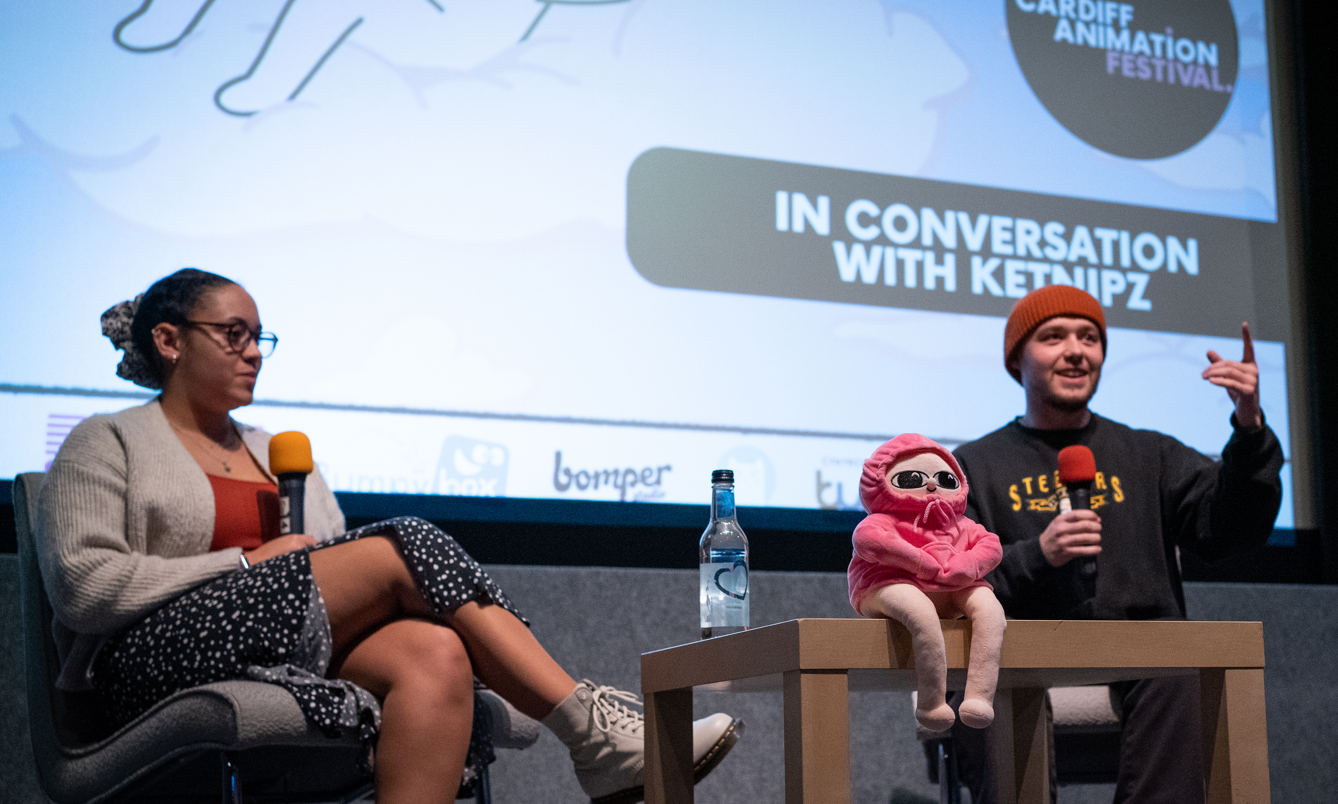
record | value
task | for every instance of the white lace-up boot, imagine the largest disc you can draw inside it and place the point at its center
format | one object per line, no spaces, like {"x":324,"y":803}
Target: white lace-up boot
{"x":608,"y":741}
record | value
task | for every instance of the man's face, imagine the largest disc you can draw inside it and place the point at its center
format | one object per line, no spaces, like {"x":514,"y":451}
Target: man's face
{"x":1061,"y":363}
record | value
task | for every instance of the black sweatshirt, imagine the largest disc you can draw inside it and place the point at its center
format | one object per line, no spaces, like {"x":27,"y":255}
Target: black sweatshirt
{"x":1152,"y":493}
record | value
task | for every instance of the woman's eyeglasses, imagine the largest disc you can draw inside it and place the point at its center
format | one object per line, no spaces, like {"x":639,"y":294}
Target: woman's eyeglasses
{"x":915,"y":479}
{"x":239,"y":336}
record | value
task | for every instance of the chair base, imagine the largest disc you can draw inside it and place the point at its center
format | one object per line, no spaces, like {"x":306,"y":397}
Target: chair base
{"x":1082,"y":756}
{"x":271,"y":774}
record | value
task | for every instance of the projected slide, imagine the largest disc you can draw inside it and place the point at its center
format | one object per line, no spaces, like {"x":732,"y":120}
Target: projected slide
{"x":596,"y":249}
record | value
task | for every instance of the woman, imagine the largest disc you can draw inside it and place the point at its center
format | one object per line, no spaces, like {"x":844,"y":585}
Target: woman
{"x":160,"y":552}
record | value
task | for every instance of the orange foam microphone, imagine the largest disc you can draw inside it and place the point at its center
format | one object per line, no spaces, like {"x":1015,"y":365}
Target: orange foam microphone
{"x":1077,"y":470}
{"x":290,"y":461}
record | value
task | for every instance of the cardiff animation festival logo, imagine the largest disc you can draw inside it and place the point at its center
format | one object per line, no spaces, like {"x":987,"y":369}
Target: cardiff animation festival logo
{"x":1143,"y":80}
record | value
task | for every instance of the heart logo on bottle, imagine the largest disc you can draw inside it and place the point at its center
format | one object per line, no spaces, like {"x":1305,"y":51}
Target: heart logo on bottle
{"x":733,"y":581}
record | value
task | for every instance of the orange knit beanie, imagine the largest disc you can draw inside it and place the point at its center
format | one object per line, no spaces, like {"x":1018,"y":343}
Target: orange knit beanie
{"x":1045,"y":303}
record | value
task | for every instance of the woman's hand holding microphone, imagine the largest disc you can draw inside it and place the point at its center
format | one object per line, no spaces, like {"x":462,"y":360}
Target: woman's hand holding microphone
{"x":279,"y":546}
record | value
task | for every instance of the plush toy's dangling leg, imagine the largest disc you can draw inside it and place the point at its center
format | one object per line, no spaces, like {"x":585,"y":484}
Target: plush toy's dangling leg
{"x":910,"y":607}
{"x":982,"y":674}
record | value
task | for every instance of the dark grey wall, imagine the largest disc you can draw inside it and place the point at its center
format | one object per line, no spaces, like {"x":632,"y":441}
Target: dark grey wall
{"x":596,"y":622}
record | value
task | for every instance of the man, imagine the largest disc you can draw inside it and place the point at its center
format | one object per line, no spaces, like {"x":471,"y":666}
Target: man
{"x":1151,"y":495}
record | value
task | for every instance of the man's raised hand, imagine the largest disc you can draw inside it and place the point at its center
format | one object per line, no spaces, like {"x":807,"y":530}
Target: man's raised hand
{"x":1240,"y":378}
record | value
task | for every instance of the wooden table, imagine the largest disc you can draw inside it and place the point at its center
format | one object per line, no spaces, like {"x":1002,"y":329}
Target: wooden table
{"x":817,"y":662}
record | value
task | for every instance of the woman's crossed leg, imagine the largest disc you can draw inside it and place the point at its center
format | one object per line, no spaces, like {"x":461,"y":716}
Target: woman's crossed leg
{"x":421,"y":664}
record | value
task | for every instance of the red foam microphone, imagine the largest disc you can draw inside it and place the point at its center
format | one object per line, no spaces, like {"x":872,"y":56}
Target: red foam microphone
{"x":290,"y":461}
{"x":1077,"y":470}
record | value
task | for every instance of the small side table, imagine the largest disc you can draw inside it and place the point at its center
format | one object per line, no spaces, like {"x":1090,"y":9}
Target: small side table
{"x":816,"y":662}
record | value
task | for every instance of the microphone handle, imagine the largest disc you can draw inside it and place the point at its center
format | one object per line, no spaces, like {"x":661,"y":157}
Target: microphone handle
{"x":292,"y":497}
{"x":1080,"y":498}
{"x":1087,"y":575}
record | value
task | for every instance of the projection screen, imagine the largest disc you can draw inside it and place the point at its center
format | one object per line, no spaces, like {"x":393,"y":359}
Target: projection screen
{"x":595,"y":250}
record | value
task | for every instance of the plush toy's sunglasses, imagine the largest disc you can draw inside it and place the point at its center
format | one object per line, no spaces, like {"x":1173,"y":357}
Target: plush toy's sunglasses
{"x":915,"y":479}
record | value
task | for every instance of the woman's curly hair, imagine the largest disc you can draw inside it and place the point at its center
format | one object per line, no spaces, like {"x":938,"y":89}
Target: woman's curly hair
{"x":129,"y":325}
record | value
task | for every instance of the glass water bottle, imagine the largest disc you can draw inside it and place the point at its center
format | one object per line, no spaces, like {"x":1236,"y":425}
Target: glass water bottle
{"x":724,"y":563}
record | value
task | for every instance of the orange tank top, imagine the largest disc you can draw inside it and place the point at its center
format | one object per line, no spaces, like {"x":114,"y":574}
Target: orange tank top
{"x":246,"y":513}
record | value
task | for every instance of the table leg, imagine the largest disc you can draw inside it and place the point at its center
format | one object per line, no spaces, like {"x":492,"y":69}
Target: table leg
{"x":1020,"y":750}
{"x":817,"y":737}
{"x":669,"y":747}
{"x":1235,"y":737}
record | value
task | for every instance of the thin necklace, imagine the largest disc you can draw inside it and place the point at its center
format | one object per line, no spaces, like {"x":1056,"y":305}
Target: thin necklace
{"x":222,"y":453}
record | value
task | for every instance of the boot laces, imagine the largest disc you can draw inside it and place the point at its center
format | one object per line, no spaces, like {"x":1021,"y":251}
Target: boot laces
{"x":610,"y":713}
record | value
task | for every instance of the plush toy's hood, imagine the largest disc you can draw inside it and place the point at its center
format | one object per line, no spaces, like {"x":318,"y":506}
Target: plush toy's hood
{"x":879,"y":499}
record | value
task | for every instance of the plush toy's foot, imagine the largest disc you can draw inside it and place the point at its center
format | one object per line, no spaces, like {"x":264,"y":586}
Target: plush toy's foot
{"x":976,"y":713}
{"x":940,"y":718}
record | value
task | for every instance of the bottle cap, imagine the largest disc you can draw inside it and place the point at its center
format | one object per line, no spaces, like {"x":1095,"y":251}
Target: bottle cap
{"x":722,"y":476}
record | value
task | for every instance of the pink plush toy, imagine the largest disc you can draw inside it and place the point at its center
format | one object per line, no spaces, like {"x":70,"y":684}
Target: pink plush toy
{"x":918,"y":559}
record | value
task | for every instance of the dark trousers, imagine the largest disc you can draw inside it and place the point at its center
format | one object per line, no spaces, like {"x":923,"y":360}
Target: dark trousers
{"x":1161,"y":751}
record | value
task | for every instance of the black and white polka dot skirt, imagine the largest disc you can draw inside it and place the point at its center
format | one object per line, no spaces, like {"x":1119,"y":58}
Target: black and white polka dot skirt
{"x":269,"y":623}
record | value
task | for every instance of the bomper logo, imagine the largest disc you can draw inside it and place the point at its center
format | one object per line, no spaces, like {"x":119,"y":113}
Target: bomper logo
{"x":643,"y":483}
{"x":1143,"y":80}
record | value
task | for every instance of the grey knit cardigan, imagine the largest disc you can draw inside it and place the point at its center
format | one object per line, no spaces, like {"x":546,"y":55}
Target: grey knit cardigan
{"x":124,"y":522}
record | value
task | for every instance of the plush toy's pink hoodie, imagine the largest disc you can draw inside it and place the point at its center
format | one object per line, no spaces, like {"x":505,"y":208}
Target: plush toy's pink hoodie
{"x":921,"y":540}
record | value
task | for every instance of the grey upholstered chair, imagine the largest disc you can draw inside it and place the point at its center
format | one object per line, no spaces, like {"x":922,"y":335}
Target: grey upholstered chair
{"x":198,"y":745}
{"x":1085,"y":750}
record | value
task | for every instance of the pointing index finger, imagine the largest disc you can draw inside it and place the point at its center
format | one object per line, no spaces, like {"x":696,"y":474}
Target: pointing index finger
{"x":1247,"y":356}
